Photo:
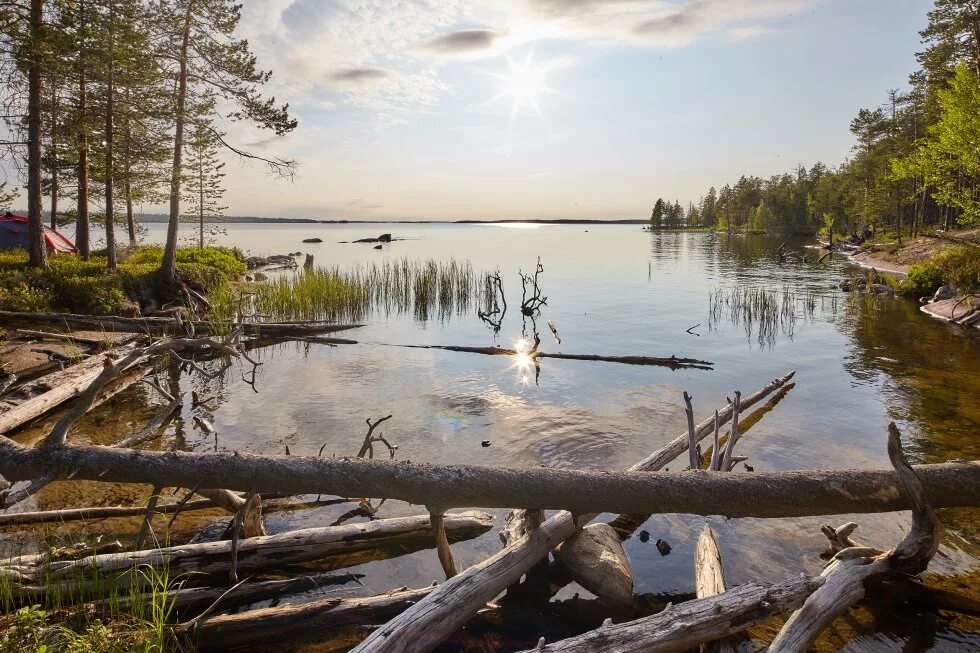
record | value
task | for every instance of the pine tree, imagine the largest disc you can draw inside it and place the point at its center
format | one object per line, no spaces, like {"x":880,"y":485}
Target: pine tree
{"x":208,"y":58}
{"x":203,"y":175}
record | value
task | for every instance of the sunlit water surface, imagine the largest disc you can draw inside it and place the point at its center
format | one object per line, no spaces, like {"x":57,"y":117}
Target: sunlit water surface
{"x":616,"y":290}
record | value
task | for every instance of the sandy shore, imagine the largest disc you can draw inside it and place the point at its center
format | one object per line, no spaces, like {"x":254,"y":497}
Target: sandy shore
{"x":869,"y":260}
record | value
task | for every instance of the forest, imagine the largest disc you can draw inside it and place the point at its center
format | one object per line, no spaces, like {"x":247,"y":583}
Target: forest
{"x":114,"y":103}
{"x":915,"y":162}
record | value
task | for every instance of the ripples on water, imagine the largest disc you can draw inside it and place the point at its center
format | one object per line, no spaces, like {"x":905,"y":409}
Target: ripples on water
{"x":861,"y":362}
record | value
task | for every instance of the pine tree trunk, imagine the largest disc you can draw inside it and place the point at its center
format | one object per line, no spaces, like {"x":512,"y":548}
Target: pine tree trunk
{"x":200,"y":205}
{"x":127,"y":181}
{"x":110,"y":228}
{"x":54,"y":156}
{"x":82,"y":225}
{"x":35,"y":209}
{"x":169,"y":265}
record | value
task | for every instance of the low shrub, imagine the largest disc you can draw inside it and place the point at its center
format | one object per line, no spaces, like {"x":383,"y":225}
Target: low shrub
{"x":957,"y":266}
{"x":73,"y":285}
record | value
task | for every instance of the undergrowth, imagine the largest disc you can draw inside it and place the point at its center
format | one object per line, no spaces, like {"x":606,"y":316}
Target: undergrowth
{"x":72,"y":285}
{"x":957,"y":266}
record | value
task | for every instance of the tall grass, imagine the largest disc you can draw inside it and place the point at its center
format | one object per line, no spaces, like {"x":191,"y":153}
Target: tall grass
{"x":427,"y":289}
{"x":764,"y":313}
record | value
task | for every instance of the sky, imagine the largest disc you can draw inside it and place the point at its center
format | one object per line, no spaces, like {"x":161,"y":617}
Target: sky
{"x":519,"y":109}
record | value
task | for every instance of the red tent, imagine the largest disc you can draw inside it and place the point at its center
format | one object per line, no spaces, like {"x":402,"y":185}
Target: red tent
{"x":13,"y":235}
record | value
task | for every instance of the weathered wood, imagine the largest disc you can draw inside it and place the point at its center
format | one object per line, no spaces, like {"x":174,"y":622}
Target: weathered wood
{"x":424,"y":626}
{"x":671,"y":361}
{"x":162,"y":326}
{"x":271,"y":551}
{"x":316,"y":620}
{"x":251,"y":521}
{"x":849,"y":570}
{"x":63,"y":385}
{"x":686,"y":625}
{"x":437,"y":521}
{"x":595,"y":559}
{"x":101,"y":512}
{"x":760,"y":494}
{"x":709,"y":580}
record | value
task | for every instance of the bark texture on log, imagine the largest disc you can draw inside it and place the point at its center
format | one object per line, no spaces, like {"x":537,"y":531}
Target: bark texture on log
{"x":685,"y":625}
{"x":161,"y":325}
{"x":760,"y":494}
{"x":275,"y":550}
{"x":595,"y":559}
{"x":314,"y":620}
{"x":63,"y":385}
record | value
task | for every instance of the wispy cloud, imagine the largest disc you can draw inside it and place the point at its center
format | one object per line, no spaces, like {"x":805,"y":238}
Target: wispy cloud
{"x":359,"y":77}
{"x":462,"y":42}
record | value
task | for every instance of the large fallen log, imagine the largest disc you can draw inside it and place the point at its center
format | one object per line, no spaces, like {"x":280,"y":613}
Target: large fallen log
{"x":164,"y":326}
{"x":270,"y":551}
{"x":685,"y":625}
{"x":759,"y":494}
{"x":317,"y":620}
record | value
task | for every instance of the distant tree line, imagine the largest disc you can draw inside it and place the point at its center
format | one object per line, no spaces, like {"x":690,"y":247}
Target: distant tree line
{"x":111,"y":103}
{"x":915,"y":163}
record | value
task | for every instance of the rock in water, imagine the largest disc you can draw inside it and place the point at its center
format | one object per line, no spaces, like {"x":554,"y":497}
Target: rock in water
{"x":377,"y":247}
{"x":596,"y":560}
{"x":663,"y":547}
{"x":312,"y":240}
{"x":384,"y":238}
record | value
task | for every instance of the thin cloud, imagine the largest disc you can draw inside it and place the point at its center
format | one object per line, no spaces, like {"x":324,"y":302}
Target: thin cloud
{"x":466,"y":41}
{"x":360,"y":76}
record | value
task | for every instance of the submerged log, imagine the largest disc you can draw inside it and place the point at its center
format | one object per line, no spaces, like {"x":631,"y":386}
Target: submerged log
{"x":62,"y":386}
{"x":271,"y":551}
{"x":162,"y":326}
{"x":323,"y":619}
{"x":686,"y":625}
{"x":595,"y":559}
{"x":671,"y":361}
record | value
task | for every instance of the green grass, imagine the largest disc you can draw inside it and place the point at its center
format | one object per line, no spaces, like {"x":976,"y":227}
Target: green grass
{"x":72,"y":285}
{"x":427,"y":289}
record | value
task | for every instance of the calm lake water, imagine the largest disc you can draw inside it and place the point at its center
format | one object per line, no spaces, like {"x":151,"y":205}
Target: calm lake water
{"x":615,"y":290}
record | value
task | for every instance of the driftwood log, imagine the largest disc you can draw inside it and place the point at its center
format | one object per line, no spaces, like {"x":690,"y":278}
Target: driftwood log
{"x":760,"y":494}
{"x":165,"y":326}
{"x":316,"y":620}
{"x":61,"y":387}
{"x":271,"y":551}
{"x":686,"y":625}
{"x":669,"y":361}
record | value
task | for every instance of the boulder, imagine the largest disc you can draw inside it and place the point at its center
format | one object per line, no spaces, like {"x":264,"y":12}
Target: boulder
{"x":312,"y":240}
{"x":943,"y":292}
{"x":384,"y":238}
{"x":377,"y":247}
{"x":258,"y":276}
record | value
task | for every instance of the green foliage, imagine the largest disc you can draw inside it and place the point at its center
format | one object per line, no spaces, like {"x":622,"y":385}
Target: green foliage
{"x":956,"y":266}
{"x":24,"y":630}
{"x":76,"y":286}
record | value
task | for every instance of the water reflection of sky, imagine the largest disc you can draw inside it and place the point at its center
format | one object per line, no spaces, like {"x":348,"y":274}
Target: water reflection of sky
{"x":617,"y":290}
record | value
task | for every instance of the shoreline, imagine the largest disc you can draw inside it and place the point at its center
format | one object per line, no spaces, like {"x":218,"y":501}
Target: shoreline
{"x":946,"y":310}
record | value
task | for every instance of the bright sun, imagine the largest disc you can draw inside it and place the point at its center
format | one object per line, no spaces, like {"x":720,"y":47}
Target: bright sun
{"x":523,"y":84}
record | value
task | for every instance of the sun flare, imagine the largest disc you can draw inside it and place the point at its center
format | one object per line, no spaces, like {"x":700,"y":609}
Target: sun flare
{"x":524,"y":83}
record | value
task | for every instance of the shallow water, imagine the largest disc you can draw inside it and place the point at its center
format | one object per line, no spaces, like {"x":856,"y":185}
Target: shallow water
{"x":616,"y":290}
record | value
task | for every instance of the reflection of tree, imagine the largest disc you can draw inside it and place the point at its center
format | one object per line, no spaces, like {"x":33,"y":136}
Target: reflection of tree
{"x":494,"y":302}
{"x":932,"y":367}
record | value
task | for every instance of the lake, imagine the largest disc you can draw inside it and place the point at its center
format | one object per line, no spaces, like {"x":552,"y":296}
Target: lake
{"x":614,"y":290}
